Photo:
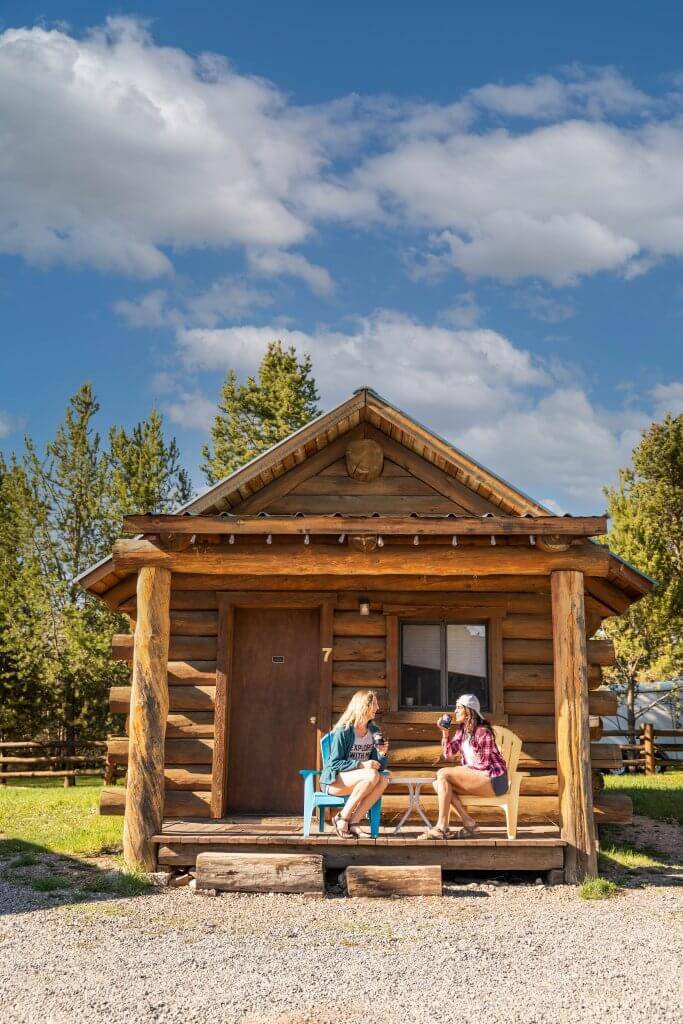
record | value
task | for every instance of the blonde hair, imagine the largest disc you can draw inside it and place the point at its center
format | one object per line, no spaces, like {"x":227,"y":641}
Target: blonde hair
{"x":356,"y":710}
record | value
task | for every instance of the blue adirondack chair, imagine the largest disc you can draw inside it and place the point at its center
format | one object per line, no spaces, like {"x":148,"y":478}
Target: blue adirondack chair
{"x":316,"y":800}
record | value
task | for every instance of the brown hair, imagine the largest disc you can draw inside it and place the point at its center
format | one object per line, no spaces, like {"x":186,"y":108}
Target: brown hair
{"x":472,"y":721}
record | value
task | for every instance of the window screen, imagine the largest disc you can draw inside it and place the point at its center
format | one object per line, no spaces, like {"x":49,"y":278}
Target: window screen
{"x":442,"y":660}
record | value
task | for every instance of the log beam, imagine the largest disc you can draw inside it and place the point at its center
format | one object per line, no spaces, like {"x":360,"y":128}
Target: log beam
{"x":148,"y":713}
{"x":320,"y":559}
{"x":572,"y":725}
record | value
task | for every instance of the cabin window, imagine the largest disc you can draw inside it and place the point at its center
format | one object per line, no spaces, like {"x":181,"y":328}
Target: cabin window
{"x":440,"y":660}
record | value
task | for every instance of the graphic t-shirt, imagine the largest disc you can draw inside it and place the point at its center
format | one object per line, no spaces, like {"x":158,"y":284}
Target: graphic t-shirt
{"x":362,"y":745}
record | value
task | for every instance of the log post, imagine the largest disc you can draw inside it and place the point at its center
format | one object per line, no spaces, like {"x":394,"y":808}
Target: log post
{"x":649,"y":747}
{"x":148,"y":713}
{"x":572,"y":731}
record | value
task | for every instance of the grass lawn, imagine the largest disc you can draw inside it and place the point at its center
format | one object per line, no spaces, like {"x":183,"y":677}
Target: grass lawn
{"x":59,"y":820}
{"x":657,"y":796}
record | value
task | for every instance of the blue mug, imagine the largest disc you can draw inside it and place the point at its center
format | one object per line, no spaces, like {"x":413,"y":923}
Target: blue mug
{"x":445,"y":721}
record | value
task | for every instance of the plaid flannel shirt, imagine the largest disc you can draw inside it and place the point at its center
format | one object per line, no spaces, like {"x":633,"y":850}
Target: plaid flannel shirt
{"x":487,"y":757}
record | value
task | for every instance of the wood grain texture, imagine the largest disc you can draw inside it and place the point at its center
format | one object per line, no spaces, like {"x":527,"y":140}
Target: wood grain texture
{"x":180,"y":698}
{"x":321,"y":559}
{"x":148,"y":713}
{"x":264,"y":872}
{"x":572,"y":726}
{"x":399,"y":880}
{"x":599,"y":652}
{"x":541,"y":677}
{"x":224,"y":659}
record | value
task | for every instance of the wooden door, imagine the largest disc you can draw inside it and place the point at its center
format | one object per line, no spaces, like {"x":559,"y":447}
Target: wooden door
{"x":274,"y":694}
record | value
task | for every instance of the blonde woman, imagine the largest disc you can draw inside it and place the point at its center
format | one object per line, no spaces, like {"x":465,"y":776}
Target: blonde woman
{"x":355,"y":763}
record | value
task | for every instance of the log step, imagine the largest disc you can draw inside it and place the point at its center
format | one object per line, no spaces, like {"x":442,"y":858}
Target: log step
{"x":265,"y":872}
{"x":399,"y":880}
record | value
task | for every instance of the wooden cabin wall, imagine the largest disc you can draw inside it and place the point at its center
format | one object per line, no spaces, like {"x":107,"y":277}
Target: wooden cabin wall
{"x":359,"y":660}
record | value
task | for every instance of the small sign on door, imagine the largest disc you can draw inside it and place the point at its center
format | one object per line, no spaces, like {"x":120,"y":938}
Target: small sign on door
{"x":278,"y":659}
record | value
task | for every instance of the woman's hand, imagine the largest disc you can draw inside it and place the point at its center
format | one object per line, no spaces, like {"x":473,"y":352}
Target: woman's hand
{"x":445,"y":733}
{"x":373,"y":765}
{"x":383,"y":748}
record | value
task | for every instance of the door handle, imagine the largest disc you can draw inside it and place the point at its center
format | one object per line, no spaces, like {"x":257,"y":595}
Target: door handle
{"x":313,"y":720}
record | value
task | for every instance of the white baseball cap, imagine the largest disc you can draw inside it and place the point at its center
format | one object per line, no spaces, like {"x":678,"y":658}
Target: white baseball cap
{"x":469,"y":700}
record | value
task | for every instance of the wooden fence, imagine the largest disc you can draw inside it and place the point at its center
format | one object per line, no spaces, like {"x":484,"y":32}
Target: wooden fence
{"x":37,"y":759}
{"x":653,"y":750}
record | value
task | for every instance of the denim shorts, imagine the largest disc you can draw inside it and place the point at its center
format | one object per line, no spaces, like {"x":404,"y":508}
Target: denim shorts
{"x":500,"y":784}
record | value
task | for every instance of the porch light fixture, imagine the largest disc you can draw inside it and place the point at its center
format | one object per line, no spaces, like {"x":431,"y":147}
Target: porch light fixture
{"x":364,"y":606}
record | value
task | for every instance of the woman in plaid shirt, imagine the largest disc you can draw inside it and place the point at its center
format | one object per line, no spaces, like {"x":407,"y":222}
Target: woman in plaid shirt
{"x":482,"y":771}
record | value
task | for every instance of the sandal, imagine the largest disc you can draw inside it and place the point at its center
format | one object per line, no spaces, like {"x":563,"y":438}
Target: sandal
{"x":471,"y":830}
{"x":357,"y":832}
{"x":343,"y":833}
{"x":435,"y":833}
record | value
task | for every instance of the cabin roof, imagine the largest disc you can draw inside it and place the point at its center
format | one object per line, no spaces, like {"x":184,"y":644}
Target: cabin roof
{"x":365,"y":406}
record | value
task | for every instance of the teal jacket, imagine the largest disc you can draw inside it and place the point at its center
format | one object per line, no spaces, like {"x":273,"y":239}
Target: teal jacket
{"x":341,"y":741}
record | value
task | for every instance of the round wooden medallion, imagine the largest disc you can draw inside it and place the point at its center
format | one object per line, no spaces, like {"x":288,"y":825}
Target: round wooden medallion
{"x":364,"y":460}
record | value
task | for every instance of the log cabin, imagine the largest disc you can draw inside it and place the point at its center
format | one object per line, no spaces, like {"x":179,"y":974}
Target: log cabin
{"x":361,"y":551}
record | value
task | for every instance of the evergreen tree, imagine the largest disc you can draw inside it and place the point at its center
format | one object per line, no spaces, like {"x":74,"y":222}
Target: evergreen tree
{"x":646,"y":512}
{"x":145,"y":474}
{"x":254,"y":416}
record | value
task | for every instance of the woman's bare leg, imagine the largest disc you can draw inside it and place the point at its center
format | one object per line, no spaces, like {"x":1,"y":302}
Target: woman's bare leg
{"x":468,"y":782}
{"x":357,"y":785}
{"x":445,"y":794}
{"x":369,"y":800}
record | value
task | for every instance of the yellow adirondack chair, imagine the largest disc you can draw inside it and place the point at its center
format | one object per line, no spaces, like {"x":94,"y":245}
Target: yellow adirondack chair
{"x":510,"y":746}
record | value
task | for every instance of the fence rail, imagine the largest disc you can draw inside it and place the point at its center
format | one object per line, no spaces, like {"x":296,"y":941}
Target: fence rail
{"x":55,"y":759}
{"x":649,"y":753}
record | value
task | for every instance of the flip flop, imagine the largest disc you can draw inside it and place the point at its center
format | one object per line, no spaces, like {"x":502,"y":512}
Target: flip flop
{"x":434,"y":833}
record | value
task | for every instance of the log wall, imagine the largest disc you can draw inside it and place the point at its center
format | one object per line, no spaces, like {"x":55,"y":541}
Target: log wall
{"x":360,"y":660}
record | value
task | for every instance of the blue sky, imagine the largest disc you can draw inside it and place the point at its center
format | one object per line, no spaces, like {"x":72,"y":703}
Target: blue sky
{"x":478,"y":212}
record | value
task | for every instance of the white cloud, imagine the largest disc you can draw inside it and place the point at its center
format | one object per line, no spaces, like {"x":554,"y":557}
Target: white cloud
{"x":544,"y":306}
{"x":8,"y":423}
{"x":276,"y":262}
{"x":668,"y":398}
{"x":595,"y":93}
{"x":151,"y":310}
{"x":228,"y":297}
{"x":191,"y":409}
{"x":115,"y":148}
{"x":465,"y":311}
{"x":533,"y":423}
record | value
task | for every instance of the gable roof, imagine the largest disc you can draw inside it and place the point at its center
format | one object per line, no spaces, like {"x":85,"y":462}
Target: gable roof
{"x":482,"y":489}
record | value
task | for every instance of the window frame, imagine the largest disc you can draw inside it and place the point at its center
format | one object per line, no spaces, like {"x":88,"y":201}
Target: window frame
{"x":492,"y":618}
{"x":443,"y":624}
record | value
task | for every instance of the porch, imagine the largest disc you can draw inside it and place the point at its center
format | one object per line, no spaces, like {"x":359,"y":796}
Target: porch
{"x":536,"y":848}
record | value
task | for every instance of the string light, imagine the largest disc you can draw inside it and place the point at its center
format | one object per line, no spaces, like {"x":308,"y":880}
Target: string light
{"x":307,"y":540}
{"x":416,"y":540}
{"x":532,"y":539}
{"x":269,"y":539}
{"x":342,"y":538}
{"x":231,"y":538}
{"x":493,"y":541}
{"x":380,"y":542}
{"x":454,"y":542}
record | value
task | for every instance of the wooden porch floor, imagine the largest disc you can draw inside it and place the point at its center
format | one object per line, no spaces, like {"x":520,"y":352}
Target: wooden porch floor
{"x":535,"y":848}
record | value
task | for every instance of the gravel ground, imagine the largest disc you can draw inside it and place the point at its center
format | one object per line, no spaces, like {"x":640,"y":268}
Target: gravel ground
{"x":509,"y":952}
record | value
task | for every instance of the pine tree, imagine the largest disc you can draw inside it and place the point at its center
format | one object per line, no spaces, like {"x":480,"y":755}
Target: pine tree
{"x":646,"y":512}
{"x":145,"y":474}
{"x":254,"y":416}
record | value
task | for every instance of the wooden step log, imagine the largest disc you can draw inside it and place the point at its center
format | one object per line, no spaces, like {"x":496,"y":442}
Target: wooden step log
{"x":397,"y":880}
{"x":540,"y":652}
{"x":540,"y":677}
{"x":301,"y":873}
{"x":176,"y":751}
{"x":181,"y":698}
{"x":181,"y":648}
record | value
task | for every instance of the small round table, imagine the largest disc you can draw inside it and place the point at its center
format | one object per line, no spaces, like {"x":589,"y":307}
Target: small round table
{"x":414,"y":784}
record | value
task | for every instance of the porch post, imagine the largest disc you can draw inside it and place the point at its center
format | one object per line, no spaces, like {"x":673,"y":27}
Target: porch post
{"x":572,"y":732}
{"x":147,"y":722}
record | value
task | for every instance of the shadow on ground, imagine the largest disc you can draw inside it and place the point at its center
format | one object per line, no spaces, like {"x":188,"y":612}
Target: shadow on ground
{"x":33,"y":877}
